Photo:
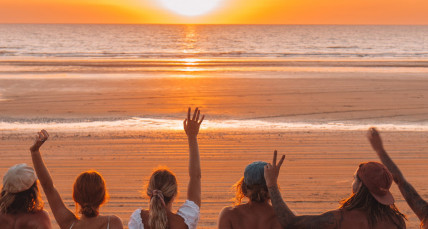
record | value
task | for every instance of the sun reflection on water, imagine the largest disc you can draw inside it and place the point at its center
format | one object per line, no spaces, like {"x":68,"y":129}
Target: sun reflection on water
{"x":190,"y":47}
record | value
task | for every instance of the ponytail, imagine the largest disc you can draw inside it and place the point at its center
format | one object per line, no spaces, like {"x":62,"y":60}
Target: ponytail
{"x":161,"y":189}
{"x":158,"y":218}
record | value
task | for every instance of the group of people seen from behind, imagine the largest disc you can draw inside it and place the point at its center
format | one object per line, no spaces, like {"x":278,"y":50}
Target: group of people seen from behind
{"x":370,"y":205}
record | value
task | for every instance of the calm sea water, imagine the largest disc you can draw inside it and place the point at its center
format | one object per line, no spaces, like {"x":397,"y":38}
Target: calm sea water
{"x":92,"y":50}
{"x":212,"y":41}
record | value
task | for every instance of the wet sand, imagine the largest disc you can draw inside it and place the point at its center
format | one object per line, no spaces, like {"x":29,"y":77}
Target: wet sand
{"x":361,"y":97}
{"x":316,"y":175}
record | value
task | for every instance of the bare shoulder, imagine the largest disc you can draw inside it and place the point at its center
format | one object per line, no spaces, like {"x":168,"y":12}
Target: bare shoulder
{"x":225,"y":217}
{"x":44,"y":219}
{"x":39,"y":219}
{"x":176,"y":219}
{"x":6,"y":221}
{"x":115,"y":222}
{"x":227,"y":212}
{"x":328,"y":220}
{"x":43,"y":214}
{"x":242,"y":209}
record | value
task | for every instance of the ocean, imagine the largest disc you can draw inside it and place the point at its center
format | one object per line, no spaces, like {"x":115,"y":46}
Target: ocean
{"x":31,"y":52}
{"x":212,"y":41}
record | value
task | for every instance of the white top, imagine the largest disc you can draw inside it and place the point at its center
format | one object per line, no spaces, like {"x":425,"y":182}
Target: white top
{"x":189,"y":211}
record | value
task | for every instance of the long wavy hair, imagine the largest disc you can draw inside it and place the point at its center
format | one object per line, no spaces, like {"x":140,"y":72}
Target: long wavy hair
{"x":28,"y":201}
{"x":89,"y":192}
{"x":163,"y":180}
{"x":256,"y":193}
{"x":376,"y":211}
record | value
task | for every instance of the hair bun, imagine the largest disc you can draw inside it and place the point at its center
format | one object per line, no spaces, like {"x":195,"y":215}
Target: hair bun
{"x":89,"y":211}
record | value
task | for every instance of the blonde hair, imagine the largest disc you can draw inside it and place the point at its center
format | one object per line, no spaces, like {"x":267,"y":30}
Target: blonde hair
{"x":161,"y":181}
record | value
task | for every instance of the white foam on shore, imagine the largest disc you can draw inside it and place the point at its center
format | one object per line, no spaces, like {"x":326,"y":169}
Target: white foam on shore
{"x":150,"y":124}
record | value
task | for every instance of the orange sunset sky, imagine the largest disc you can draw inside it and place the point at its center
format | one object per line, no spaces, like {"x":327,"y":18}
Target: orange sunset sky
{"x":226,"y":12}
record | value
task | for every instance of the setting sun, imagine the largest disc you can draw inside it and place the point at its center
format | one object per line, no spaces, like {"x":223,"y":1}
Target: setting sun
{"x":190,"y":7}
{"x":396,"y":12}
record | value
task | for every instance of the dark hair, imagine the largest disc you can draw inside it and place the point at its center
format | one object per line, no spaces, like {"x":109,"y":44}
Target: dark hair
{"x":256,"y":192}
{"x":376,"y":211}
{"x":163,"y":180}
{"x":89,"y":192}
{"x":28,"y":201}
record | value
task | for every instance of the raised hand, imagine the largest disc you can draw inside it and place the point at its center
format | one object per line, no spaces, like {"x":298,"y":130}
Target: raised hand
{"x":42,"y":136}
{"x":191,"y":126}
{"x":272,"y":170}
{"x":375,"y":140}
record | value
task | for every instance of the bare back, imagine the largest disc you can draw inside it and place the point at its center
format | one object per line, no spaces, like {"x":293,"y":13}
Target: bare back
{"x":174,"y":221}
{"x":339,"y":219}
{"x":38,"y":220}
{"x":249,"y":216}
{"x":358,"y":219}
{"x":98,"y":222}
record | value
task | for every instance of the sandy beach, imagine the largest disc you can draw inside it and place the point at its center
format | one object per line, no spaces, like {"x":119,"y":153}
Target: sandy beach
{"x":352,"y":96}
{"x":320,"y":161}
{"x":317,"y":173}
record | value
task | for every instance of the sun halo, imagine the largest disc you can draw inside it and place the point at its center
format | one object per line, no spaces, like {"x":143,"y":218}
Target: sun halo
{"x":190,"y":7}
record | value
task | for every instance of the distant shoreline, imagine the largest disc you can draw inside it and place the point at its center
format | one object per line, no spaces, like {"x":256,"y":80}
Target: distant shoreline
{"x":199,"y":66}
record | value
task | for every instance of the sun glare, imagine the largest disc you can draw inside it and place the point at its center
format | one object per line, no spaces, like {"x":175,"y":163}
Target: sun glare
{"x":190,"y":7}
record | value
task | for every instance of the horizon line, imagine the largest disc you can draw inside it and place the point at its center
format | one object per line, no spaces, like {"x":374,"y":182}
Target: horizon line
{"x":60,"y":23}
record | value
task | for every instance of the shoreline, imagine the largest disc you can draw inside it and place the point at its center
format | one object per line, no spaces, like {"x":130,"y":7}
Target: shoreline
{"x":203,"y":65}
{"x":136,"y":124}
{"x":349,"y":100}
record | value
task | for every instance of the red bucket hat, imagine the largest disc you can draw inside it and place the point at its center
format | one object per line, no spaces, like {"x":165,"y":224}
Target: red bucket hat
{"x":376,"y":177}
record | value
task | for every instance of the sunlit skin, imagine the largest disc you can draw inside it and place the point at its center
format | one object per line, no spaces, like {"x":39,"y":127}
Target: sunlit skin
{"x":215,"y":11}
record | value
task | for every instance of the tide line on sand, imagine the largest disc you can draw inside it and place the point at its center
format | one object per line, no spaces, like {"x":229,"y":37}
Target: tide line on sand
{"x":142,"y":124}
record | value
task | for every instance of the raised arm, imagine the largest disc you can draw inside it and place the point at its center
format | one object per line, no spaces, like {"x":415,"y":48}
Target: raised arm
{"x":62,"y":214}
{"x":191,"y":127}
{"x":284,"y":214}
{"x":414,"y":200}
{"x":286,"y":217}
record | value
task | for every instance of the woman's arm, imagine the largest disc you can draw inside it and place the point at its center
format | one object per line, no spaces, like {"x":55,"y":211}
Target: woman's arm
{"x":414,"y":200}
{"x":62,"y":214}
{"x":191,"y":127}
{"x":286,"y":217}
